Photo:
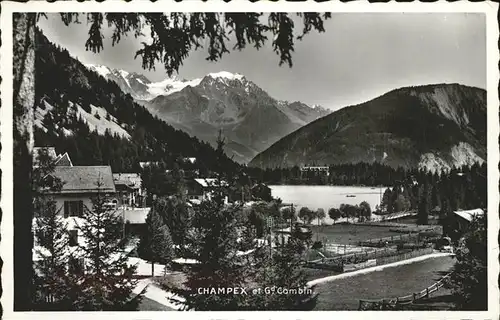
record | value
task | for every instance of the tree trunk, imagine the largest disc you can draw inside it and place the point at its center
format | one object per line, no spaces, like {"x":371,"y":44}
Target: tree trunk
{"x":24,"y":100}
{"x":152,"y":269}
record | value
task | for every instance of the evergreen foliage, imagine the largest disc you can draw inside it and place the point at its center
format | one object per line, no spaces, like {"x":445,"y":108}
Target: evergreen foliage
{"x":174,"y":213}
{"x":469,"y":280}
{"x":213,"y":243}
{"x":51,"y":269}
{"x":284,"y":270}
{"x":156,"y":245}
{"x":107,"y":281}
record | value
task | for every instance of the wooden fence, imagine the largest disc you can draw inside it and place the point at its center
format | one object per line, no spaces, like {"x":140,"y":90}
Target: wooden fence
{"x":384,"y":256}
{"x":401,"y":238}
{"x":399,"y":303}
{"x":380,"y":242}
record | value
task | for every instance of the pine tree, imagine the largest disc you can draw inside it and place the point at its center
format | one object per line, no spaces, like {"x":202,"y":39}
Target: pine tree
{"x":213,"y":243}
{"x":424,"y":203}
{"x":107,"y":282}
{"x":469,"y":280}
{"x":387,"y":203}
{"x":51,"y":277}
{"x":156,"y":244}
{"x":284,"y":270}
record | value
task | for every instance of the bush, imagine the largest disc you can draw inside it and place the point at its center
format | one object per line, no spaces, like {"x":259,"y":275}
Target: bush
{"x":317,"y":245}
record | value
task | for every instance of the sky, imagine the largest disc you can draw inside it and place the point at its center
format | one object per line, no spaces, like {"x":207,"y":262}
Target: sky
{"x":359,"y":57}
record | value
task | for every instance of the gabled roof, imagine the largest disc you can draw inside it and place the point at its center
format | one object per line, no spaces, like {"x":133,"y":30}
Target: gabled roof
{"x":469,"y":215}
{"x":63,"y":160}
{"x":210,"y":182}
{"x":84,"y":179}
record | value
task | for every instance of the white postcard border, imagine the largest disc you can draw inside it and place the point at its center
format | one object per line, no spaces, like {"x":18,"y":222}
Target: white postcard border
{"x":6,"y":116}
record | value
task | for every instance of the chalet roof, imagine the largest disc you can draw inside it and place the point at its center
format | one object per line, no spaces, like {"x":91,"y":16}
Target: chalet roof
{"x":470,"y":214}
{"x":63,"y":160}
{"x":131,"y":180}
{"x":84,"y":179}
{"x":59,"y":159}
{"x":210,"y":182}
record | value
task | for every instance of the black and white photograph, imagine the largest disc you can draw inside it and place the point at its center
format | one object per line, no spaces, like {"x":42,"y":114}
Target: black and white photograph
{"x":249,"y":161}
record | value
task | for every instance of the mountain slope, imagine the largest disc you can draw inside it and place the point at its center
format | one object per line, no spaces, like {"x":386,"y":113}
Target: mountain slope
{"x":432,"y":127}
{"x":80,"y":112}
{"x":249,"y":117}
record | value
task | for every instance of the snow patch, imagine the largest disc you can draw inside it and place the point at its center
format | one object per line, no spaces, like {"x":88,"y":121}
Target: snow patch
{"x":100,"y":124}
{"x":101,"y":70}
{"x":226,"y":75}
{"x":169,"y":85}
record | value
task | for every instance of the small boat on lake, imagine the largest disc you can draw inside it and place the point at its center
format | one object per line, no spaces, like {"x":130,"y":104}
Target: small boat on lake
{"x":351,"y":196}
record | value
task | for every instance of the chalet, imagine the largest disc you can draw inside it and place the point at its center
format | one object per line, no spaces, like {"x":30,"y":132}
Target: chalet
{"x":129,"y":190}
{"x":201,"y":189}
{"x":80,"y":184}
{"x":464,"y":218}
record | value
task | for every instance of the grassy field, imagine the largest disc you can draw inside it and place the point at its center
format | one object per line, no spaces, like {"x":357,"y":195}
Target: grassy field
{"x":344,"y":294}
{"x":349,"y":233}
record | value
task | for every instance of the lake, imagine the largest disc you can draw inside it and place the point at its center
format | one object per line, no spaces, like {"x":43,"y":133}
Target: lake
{"x":326,"y":197}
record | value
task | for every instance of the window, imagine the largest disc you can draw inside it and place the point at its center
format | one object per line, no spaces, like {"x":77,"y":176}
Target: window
{"x":73,"y":238}
{"x":73,"y":208}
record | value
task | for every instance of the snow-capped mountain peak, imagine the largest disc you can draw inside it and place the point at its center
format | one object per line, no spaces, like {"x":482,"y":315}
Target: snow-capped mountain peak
{"x":101,"y":70}
{"x":226,"y":75}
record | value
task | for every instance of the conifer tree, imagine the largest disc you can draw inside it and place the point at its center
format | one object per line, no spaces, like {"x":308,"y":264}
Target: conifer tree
{"x":469,"y":281}
{"x":107,"y":282}
{"x":284,"y":270}
{"x":51,"y":275}
{"x":156,"y":244}
{"x":424,"y":204}
{"x":213,"y":243}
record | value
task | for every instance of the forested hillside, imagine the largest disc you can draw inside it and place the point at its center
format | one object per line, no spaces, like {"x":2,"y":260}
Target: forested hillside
{"x":81,"y":113}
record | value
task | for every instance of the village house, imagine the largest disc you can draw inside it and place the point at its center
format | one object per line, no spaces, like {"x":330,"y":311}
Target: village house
{"x":201,"y":189}
{"x":129,"y":190}
{"x":463,"y":219}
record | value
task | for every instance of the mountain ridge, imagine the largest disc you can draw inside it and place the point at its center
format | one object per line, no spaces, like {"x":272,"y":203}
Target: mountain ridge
{"x":249,"y":117}
{"x":449,"y":119}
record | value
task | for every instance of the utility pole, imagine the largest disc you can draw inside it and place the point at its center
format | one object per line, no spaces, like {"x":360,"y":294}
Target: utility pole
{"x":270,"y":224}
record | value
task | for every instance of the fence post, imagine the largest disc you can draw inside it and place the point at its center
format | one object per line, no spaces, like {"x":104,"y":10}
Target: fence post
{"x":414,"y":296}
{"x":360,"y":304}
{"x":427,"y":292}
